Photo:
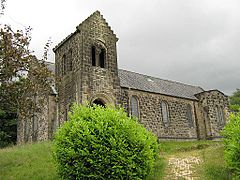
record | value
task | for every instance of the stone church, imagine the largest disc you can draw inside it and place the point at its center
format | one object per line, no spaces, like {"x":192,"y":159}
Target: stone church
{"x":86,"y":66}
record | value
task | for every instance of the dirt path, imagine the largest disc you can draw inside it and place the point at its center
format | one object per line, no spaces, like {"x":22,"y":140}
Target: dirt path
{"x":182,"y":167}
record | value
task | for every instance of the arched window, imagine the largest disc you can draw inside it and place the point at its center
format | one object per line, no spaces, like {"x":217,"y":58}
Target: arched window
{"x":98,"y":54}
{"x":189,"y":115}
{"x":93,"y":56}
{"x":102,"y":58}
{"x":134,"y":107}
{"x":220,"y":115}
{"x":165,"y":113}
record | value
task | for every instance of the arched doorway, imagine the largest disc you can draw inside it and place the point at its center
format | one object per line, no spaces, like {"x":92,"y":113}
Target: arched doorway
{"x":98,"y":102}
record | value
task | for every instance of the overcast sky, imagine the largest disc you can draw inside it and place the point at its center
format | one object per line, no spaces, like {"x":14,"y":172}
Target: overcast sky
{"x":191,"y":41}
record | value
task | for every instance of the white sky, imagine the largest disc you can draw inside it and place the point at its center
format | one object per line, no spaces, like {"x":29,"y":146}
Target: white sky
{"x":192,"y":41}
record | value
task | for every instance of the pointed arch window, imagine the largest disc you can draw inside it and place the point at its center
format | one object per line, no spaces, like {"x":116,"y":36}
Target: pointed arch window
{"x":165,"y":113}
{"x":189,"y":115}
{"x":134,"y":107}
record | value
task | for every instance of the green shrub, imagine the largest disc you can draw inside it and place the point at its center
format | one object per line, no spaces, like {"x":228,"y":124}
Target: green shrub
{"x":103,"y":143}
{"x":231,"y":133}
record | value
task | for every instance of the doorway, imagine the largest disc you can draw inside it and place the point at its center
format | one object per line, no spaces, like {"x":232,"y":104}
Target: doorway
{"x":98,"y":102}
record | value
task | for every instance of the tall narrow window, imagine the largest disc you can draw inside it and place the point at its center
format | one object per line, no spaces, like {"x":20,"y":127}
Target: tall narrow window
{"x":93,"y":56}
{"x":70,"y":60}
{"x":165,"y":113}
{"x":64,"y":65}
{"x":134,"y":107}
{"x":34,"y":127}
{"x":189,"y":115}
{"x":26,"y":130}
{"x":220,"y":115}
{"x":102,"y":58}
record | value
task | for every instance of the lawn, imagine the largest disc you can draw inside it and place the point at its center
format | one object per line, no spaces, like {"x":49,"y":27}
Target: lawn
{"x":27,"y":162}
{"x":35,"y":161}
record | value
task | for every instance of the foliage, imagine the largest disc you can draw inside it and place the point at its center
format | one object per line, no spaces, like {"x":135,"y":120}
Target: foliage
{"x":22,"y":75}
{"x":103,"y":143}
{"x":231,"y":133}
{"x":28,"y":161}
{"x":8,"y":130}
{"x":235,"y":101}
{"x":2,"y":6}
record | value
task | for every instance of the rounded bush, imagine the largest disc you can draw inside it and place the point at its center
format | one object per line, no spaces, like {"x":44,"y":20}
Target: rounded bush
{"x":231,"y":133}
{"x":103,"y":143}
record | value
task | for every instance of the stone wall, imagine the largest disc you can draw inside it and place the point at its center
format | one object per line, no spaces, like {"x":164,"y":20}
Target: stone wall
{"x":209,"y":103}
{"x":151,"y":114}
{"x":85,"y":82}
{"x":38,"y":127}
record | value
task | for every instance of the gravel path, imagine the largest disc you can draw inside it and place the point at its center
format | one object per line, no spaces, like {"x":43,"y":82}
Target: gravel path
{"x":182,"y":167}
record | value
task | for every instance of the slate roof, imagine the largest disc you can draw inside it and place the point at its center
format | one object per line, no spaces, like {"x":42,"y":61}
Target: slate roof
{"x":142,"y":82}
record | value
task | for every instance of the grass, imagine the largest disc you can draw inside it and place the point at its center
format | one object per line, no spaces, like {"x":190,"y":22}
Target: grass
{"x":27,"y":162}
{"x":35,"y":161}
{"x":214,"y":167}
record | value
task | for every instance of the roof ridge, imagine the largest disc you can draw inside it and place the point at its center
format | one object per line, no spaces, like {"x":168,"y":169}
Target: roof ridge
{"x":162,"y":79}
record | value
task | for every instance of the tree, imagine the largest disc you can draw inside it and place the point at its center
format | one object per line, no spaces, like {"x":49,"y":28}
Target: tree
{"x":22,"y":76}
{"x":235,"y":101}
{"x":2,"y":7}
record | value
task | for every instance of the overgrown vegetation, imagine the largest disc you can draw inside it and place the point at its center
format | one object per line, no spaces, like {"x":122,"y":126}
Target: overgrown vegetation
{"x":235,"y":101}
{"x":104,"y":143}
{"x":24,"y":79}
{"x":231,"y":133}
{"x":8,"y":130}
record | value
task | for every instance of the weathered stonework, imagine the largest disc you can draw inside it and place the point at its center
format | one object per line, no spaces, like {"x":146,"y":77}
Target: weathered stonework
{"x":41,"y":125}
{"x":151,"y":115}
{"x":86,"y":71}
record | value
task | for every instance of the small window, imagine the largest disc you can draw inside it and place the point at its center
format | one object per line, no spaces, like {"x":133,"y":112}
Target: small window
{"x":70,"y":61}
{"x":134,"y":107}
{"x":26,"y":130}
{"x":34,"y":127}
{"x":93,"y":56}
{"x":64,"y":65}
{"x":102,"y":58}
{"x":189,"y":115}
{"x":165,"y":113}
{"x":220,"y":115}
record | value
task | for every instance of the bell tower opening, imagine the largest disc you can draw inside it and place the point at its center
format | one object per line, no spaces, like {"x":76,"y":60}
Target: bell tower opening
{"x":93,"y":56}
{"x":98,"y":102}
{"x":102,"y":58}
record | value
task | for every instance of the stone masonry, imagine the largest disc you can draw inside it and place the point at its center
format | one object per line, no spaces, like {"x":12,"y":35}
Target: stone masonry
{"x":87,"y":71}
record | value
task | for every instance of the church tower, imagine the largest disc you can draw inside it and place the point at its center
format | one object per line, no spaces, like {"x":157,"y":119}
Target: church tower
{"x":86,"y":66}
